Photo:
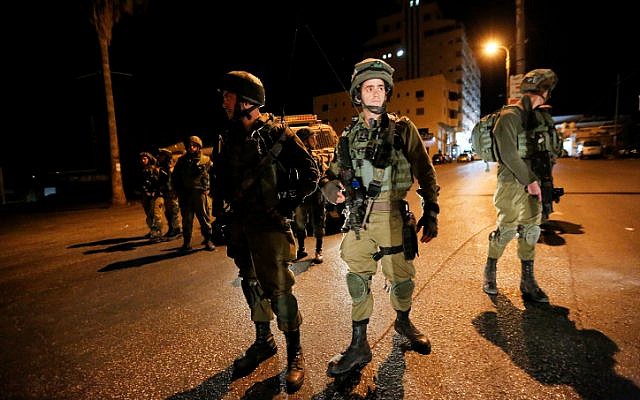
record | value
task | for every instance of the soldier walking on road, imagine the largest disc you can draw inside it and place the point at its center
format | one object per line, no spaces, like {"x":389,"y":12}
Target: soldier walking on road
{"x":376,"y":161}
{"x":171,"y":206}
{"x":191,"y":181}
{"x":262,"y":172}
{"x":151,"y":199}
{"x":518,"y":196}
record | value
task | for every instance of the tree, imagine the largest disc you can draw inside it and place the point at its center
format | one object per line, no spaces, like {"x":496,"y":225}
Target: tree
{"x":104,"y":15}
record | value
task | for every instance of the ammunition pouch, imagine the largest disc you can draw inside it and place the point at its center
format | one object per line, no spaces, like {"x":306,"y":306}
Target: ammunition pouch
{"x":409,"y":232}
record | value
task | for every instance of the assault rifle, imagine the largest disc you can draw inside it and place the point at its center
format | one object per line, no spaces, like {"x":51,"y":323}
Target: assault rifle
{"x":542,"y":165}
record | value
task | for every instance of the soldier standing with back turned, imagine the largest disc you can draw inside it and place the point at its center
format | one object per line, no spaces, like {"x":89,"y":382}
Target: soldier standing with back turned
{"x":518,"y":197}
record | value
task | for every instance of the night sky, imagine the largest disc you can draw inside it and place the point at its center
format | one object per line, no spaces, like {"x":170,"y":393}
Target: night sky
{"x":168,"y":57}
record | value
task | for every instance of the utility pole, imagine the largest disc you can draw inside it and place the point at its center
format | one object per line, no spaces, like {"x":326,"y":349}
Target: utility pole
{"x":520,"y":38}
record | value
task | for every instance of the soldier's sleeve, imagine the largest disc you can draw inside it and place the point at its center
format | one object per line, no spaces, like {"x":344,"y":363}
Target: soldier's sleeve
{"x":506,"y":136}
{"x":421,"y":166}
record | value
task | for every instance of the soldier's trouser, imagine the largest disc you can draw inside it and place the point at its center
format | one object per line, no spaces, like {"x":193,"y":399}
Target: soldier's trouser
{"x":153,"y":211}
{"x":172,"y":211}
{"x":383,"y":229}
{"x":196,"y":203}
{"x":518,"y":213}
{"x":313,"y":210}
{"x":263,"y":255}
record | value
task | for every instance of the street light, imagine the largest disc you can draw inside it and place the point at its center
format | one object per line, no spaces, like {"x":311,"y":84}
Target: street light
{"x":491,"y":48}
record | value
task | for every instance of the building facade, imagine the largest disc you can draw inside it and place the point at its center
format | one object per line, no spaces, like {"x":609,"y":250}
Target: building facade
{"x":437,"y":79}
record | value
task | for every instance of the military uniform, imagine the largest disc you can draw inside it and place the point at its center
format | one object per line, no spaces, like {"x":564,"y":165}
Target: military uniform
{"x":523,"y":135}
{"x":151,"y":199}
{"x":262,"y":173}
{"x":376,"y":162}
{"x":191,"y":181}
{"x":383,"y":228}
{"x":170,"y":197}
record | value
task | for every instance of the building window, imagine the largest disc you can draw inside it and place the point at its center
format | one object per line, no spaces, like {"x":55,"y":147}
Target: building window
{"x":420,"y":111}
{"x":419,"y":94}
{"x":325,"y":107}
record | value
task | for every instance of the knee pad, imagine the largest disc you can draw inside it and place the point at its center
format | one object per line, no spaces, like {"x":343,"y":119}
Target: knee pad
{"x":402,"y":290}
{"x":502,"y":236}
{"x":358,"y":286}
{"x":529,"y":233}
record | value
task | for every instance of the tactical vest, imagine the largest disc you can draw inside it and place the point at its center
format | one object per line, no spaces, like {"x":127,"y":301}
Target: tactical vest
{"x":542,"y":137}
{"x":363,"y":146}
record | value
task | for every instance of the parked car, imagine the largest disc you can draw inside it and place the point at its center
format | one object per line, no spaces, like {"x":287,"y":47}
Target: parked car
{"x":438,"y":158}
{"x":464,"y":157}
{"x":589,"y":148}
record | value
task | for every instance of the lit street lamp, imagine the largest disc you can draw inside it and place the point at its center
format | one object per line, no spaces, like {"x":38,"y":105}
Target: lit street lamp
{"x":491,"y":48}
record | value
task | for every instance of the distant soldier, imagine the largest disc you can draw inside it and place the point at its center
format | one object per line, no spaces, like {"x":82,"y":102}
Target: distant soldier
{"x":151,"y":199}
{"x":313,"y":206}
{"x":191,"y":182}
{"x":171,"y":204}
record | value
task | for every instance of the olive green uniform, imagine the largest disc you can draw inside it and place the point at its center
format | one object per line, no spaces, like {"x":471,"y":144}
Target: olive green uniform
{"x":151,"y":199}
{"x":383,"y":227}
{"x":191,"y":181}
{"x":262,"y":199}
{"x":518,"y":213}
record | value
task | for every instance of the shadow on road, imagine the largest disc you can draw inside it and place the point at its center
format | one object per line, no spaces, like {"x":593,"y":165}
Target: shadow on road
{"x":139,"y":262}
{"x":552,"y":229}
{"x":544,"y":343}
{"x":388,"y":380}
{"x":105,"y":242}
{"x":213,"y":388}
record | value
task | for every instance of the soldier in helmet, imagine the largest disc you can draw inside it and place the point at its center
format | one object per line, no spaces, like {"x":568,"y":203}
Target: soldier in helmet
{"x":518,"y":195}
{"x":313,"y":206}
{"x":151,"y":199}
{"x":191,"y":181}
{"x":171,"y":206}
{"x":376,"y":161}
{"x":262,"y":173}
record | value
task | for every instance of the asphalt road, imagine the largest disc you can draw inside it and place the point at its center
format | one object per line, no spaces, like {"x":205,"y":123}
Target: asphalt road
{"x":91,"y":310}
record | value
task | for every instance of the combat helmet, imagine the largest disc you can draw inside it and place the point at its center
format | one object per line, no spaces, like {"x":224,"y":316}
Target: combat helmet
{"x":370,"y":68}
{"x":538,"y":80}
{"x":196,"y":140}
{"x":245,"y":85}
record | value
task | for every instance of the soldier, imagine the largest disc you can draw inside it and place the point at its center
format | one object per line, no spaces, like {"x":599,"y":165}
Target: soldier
{"x":518,"y":196}
{"x":171,"y":207}
{"x":151,"y":199}
{"x":313,"y":206}
{"x":191,"y":181}
{"x":262,"y":172}
{"x":376,"y":161}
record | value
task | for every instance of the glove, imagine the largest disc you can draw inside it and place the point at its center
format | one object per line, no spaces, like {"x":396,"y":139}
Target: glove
{"x":428,"y":221}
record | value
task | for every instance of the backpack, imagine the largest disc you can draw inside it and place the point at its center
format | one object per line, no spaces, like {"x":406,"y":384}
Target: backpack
{"x":482,"y":137}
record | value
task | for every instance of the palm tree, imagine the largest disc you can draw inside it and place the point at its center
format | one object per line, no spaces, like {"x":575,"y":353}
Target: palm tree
{"x":105,"y":14}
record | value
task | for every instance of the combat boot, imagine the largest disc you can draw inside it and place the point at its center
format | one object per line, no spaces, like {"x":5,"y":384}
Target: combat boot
{"x":489,"y":286}
{"x":419,"y":341}
{"x":318,"y":258}
{"x":528,"y":285}
{"x":186,"y":244}
{"x":301,"y":253}
{"x":263,"y":348}
{"x":294,"y":377}
{"x":357,"y":355}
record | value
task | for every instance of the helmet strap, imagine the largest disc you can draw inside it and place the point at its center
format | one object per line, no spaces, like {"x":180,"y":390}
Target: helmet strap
{"x":379,"y":110}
